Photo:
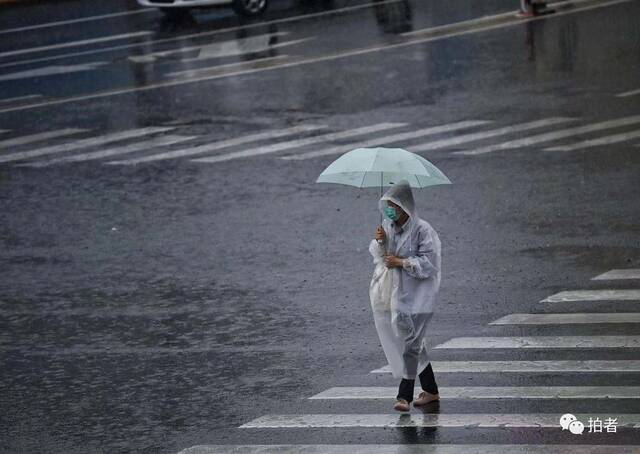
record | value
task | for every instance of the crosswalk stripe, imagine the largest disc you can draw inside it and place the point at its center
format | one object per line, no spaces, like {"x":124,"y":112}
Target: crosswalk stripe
{"x":555,"y":135}
{"x":83,"y":42}
{"x":628,"y":93}
{"x":61,"y":148}
{"x":130,"y":148}
{"x":301,"y":142}
{"x":570,"y":342}
{"x":487,"y":134}
{"x":209,"y":147}
{"x":594,"y":295}
{"x":530,"y":366}
{"x":489,"y":392}
{"x":561,"y":319}
{"x":414,"y":448}
{"x":606,"y":140}
{"x":630,"y":420}
{"x":39,"y":137}
{"x":387,"y":139}
{"x":618,"y":274}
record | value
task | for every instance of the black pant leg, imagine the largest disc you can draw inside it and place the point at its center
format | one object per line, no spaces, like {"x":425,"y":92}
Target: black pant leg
{"x":428,"y":380}
{"x":405,"y":391}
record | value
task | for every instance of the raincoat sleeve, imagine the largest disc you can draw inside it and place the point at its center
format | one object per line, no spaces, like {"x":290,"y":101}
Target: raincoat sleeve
{"x":424,"y":264}
{"x":377,"y":251}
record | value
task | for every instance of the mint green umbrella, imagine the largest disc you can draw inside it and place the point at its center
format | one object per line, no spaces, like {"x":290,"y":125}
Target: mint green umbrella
{"x":372,"y":167}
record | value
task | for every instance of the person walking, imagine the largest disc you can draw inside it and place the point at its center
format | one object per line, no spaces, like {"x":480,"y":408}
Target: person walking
{"x":406,"y":280}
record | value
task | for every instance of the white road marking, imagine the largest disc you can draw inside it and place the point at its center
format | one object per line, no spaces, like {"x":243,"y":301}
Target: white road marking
{"x":628,"y":93}
{"x":306,"y":61}
{"x":64,"y":147}
{"x":606,"y":140}
{"x":386,"y":140}
{"x":51,"y":71}
{"x":594,"y":295}
{"x":555,"y":135}
{"x":530,"y":366}
{"x":249,"y":52}
{"x":536,"y":420}
{"x":19,"y":98}
{"x":489,"y":392}
{"x":130,"y":148}
{"x":39,"y":137}
{"x":487,"y":134}
{"x":301,"y":142}
{"x":180,"y":40}
{"x":75,"y":21}
{"x":414,"y":448}
{"x":618,"y":274}
{"x":215,"y":50}
{"x":562,"y":319}
{"x":235,"y":47}
{"x":209,"y":147}
{"x":83,"y":42}
{"x":191,"y":73}
{"x":543,"y":342}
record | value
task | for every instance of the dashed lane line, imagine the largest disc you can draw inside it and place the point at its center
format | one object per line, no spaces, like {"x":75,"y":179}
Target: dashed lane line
{"x":51,"y":71}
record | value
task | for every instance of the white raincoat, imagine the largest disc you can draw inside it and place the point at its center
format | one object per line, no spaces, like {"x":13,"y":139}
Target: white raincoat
{"x":401,"y":325}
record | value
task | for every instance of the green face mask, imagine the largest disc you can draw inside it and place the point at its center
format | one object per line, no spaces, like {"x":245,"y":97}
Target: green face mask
{"x":391,"y":213}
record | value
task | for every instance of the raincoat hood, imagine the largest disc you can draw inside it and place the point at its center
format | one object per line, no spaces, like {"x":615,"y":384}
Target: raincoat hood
{"x":400,"y":194}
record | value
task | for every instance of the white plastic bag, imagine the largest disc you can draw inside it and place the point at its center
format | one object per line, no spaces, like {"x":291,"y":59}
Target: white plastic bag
{"x":381,"y":288}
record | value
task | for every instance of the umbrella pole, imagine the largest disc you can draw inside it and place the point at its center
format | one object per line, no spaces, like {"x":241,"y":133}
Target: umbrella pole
{"x":385,"y":244}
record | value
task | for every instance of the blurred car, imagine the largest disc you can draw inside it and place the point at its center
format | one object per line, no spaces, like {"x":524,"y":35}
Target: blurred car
{"x":180,"y":7}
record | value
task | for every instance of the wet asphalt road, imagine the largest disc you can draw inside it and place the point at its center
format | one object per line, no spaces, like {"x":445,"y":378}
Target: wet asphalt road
{"x":155,"y":306}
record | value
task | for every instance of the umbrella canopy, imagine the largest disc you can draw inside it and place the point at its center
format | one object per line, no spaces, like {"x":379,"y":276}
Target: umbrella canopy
{"x":373,"y":167}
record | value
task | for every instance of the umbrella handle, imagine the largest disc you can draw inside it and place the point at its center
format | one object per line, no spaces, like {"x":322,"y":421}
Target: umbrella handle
{"x":385,"y":243}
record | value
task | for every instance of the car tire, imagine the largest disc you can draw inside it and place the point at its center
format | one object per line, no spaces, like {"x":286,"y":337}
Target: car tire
{"x":250,"y":8}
